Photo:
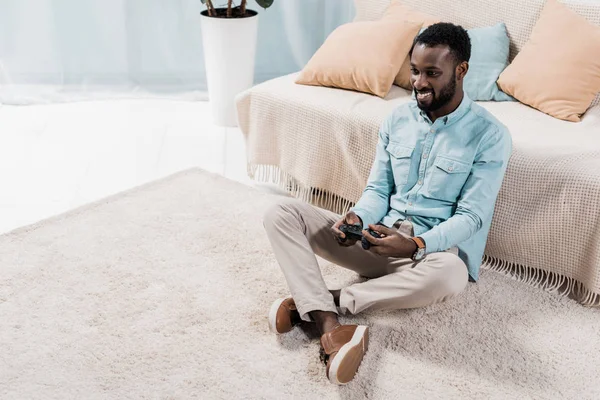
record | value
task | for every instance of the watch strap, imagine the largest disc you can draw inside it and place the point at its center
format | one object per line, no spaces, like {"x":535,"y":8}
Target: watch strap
{"x":420,"y":242}
{"x":420,"y":252}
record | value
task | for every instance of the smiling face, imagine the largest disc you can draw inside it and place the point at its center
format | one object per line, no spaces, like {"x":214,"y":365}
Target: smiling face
{"x":436,"y":78}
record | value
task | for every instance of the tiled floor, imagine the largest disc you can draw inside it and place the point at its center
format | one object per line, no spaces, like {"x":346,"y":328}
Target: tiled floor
{"x":57,"y":157}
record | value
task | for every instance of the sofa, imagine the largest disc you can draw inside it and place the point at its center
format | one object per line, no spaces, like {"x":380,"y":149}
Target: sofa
{"x":318,"y":143}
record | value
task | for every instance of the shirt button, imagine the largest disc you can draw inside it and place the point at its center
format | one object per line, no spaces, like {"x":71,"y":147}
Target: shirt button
{"x":424,"y":155}
{"x":432,"y":130}
{"x":410,"y":204}
{"x":420,"y":182}
{"x":409,"y":218}
{"x":450,"y":168}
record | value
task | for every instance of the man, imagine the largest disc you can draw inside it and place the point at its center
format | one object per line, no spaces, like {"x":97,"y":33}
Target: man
{"x":438,"y":167}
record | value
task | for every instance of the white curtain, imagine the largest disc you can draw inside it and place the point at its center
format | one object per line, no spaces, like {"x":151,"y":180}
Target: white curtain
{"x":69,"y":50}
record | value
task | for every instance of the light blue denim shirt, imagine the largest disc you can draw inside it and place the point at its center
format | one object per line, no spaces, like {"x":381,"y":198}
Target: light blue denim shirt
{"x":444,"y":177}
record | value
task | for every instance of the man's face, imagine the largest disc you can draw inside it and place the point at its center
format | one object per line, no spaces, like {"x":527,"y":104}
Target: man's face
{"x":433,"y":76}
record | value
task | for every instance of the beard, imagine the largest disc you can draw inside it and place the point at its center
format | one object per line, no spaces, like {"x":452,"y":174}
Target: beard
{"x":438,"y":101}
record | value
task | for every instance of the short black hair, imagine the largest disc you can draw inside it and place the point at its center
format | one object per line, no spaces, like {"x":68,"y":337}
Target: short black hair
{"x":446,"y":34}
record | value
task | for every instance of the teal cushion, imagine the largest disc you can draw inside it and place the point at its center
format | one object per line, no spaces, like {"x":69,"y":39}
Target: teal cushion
{"x":489,"y":57}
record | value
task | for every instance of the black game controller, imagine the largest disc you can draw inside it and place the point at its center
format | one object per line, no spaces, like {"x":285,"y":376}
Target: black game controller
{"x":351,"y":231}
{"x":355,"y":232}
{"x":365,"y":243}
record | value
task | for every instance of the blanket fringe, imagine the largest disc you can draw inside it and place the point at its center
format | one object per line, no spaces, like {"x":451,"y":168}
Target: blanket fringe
{"x":549,"y":281}
{"x":546,"y":280}
{"x":316,"y":196}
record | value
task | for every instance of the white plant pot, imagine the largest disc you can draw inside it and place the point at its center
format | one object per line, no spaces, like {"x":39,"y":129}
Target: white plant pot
{"x":229,"y":51}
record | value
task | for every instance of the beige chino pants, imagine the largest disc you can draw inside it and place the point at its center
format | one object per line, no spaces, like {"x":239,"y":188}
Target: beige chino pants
{"x":297,"y":231}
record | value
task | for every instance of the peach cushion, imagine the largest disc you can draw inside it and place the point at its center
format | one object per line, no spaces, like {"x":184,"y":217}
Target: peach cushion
{"x":558,"y":69}
{"x":399,"y":12}
{"x":363,"y":56}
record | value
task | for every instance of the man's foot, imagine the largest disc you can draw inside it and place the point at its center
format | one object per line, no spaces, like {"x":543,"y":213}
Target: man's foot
{"x":342,"y":349}
{"x":283,"y":315}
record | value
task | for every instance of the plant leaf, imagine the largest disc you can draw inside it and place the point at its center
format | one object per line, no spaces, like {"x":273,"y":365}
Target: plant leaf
{"x":265,"y":3}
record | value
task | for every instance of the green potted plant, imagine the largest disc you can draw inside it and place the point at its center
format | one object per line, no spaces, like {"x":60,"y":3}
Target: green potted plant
{"x":229,"y":37}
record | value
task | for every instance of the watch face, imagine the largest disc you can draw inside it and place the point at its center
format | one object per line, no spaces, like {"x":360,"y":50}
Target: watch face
{"x":420,"y":254}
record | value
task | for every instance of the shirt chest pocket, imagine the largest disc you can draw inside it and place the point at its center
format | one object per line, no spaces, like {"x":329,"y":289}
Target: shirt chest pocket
{"x":400,"y":160}
{"x":446,"y":178}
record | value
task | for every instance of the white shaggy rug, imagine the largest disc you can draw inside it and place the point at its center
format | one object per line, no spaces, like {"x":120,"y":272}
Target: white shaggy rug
{"x":162,"y":292}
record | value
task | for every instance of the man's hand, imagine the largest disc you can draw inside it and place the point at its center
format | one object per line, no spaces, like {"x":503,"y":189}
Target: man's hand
{"x":392,"y":244}
{"x":349,"y":219}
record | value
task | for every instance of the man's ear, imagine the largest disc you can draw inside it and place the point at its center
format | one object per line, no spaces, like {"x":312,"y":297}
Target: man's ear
{"x":461,"y":70}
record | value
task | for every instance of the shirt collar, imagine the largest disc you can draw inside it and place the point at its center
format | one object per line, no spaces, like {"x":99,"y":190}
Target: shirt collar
{"x":461,"y":110}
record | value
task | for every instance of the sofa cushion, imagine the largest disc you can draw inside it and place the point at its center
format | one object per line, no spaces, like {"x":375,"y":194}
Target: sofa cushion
{"x":558,"y":70}
{"x":489,"y":57}
{"x":362,"y":56}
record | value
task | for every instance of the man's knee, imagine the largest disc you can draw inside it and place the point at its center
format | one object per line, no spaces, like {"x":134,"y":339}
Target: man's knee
{"x":452,"y":274}
{"x":280,"y":211}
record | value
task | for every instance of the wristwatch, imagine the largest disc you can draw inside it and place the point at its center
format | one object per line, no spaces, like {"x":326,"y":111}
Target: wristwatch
{"x":420,"y":253}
